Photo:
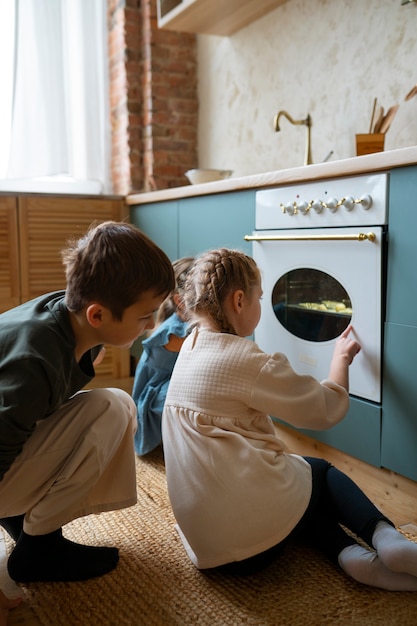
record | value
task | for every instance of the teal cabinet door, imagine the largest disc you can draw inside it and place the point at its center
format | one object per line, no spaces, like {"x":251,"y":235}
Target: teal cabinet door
{"x":159,"y":220}
{"x":399,"y":401}
{"x":399,"y":408}
{"x":402,"y":248}
{"x":190,"y":226}
{"x":358,"y":434}
{"x":219,"y":220}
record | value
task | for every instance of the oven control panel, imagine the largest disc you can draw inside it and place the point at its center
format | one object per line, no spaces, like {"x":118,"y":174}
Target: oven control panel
{"x":351,"y":201}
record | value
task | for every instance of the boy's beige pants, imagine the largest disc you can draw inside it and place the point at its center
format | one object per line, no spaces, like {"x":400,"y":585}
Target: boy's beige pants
{"x":79,"y":460}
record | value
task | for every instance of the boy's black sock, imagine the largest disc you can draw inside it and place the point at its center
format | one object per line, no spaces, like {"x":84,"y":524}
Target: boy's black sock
{"x":52,"y":558}
{"x":13,"y":525}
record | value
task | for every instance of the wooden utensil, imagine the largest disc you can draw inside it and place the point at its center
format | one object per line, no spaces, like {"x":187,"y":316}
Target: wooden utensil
{"x":411,"y":93}
{"x":379,"y":119}
{"x":387,"y":120}
{"x":373,"y":115}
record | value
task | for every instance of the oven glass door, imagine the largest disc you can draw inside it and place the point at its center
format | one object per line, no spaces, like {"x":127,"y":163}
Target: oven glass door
{"x":313,"y":288}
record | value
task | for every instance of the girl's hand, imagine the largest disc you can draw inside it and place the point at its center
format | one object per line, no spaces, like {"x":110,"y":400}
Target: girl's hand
{"x":345,"y":351}
{"x":346,"y":347}
{"x":5,"y":606}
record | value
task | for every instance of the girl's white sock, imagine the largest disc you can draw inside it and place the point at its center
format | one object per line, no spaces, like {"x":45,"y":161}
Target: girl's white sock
{"x":365,"y":567}
{"x":395,"y":551}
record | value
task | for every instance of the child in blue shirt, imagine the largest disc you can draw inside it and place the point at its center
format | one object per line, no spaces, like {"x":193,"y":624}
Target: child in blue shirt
{"x":160,"y":352}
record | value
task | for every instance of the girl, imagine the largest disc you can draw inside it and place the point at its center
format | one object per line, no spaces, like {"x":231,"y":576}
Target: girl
{"x":237,"y":495}
{"x":154,"y":369}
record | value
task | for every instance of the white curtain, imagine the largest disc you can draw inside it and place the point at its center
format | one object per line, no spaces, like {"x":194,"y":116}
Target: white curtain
{"x":7,"y":26}
{"x":58,"y":96}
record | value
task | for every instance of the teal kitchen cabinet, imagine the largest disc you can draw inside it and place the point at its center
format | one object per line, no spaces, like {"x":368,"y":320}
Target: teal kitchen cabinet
{"x":386,"y":435}
{"x":189,"y":226}
{"x":380,"y":434}
{"x":402,"y":248}
{"x":216,"y":221}
{"x":399,"y":402}
{"x":399,"y":409}
{"x":358,"y":434}
{"x":159,"y":220}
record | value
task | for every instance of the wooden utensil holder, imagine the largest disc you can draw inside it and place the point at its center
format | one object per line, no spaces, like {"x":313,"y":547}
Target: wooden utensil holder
{"x":369,"y":143}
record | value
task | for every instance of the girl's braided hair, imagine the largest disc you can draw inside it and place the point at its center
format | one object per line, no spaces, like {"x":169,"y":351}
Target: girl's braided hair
{"x":168,"y":307}
{"x":214,"y":275}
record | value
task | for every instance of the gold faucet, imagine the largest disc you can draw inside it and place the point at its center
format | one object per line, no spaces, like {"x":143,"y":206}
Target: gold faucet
{"x":307,"y":122}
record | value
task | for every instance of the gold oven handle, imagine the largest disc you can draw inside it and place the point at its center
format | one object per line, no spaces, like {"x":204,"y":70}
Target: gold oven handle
{"x":353,"y":237}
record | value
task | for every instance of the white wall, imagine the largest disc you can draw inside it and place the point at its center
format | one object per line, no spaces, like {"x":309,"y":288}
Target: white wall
{"x":329,"y":58}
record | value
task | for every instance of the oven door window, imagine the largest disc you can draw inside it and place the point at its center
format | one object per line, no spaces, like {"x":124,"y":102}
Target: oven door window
{"x":311,"y":304}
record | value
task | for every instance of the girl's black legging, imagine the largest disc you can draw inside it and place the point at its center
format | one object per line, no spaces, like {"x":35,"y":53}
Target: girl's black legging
{"x":335,"y":499}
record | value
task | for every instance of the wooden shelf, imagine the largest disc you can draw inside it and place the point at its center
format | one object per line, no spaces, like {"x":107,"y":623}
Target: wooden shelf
{"x":212,"y":17}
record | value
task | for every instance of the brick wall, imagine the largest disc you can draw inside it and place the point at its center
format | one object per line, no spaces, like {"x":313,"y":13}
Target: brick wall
{"x":153,"y":99}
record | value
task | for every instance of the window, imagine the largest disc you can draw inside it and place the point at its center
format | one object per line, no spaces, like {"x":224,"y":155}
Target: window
{"x":55,"y":109}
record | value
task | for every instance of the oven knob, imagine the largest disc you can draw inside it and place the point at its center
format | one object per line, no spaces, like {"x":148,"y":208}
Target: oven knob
{"x":290,"y":208}
{"x":365,"y":201}
{"x":348,"y":203}
{"x":332,"y":204}
{"x":303,"y":207}
{"x":317,"y":205}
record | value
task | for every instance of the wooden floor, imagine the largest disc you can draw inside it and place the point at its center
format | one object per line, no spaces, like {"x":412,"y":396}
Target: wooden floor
{"x":395,"y":495}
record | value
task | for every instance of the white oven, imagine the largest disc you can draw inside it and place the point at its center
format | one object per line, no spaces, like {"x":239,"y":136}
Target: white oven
{"x":320,"y":247}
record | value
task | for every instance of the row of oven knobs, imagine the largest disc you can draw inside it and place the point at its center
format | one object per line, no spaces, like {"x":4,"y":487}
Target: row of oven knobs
{"x":332,"y":204}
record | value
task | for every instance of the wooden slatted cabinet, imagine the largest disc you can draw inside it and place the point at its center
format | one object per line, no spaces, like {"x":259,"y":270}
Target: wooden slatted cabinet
{"x":34,"y":230}
{"x":9,"y":254}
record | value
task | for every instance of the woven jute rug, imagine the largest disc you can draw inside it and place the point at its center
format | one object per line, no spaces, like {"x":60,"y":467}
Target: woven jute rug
{"x":154,"y":583}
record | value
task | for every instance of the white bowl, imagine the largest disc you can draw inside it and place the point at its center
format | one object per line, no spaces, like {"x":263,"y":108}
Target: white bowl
{"x":207,"y":176}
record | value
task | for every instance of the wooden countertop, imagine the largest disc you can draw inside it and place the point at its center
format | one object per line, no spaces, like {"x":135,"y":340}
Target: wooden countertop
{"x":346,"y":167}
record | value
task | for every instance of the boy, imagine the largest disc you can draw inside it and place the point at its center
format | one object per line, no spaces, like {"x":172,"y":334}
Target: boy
{"x":66,"y":453}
